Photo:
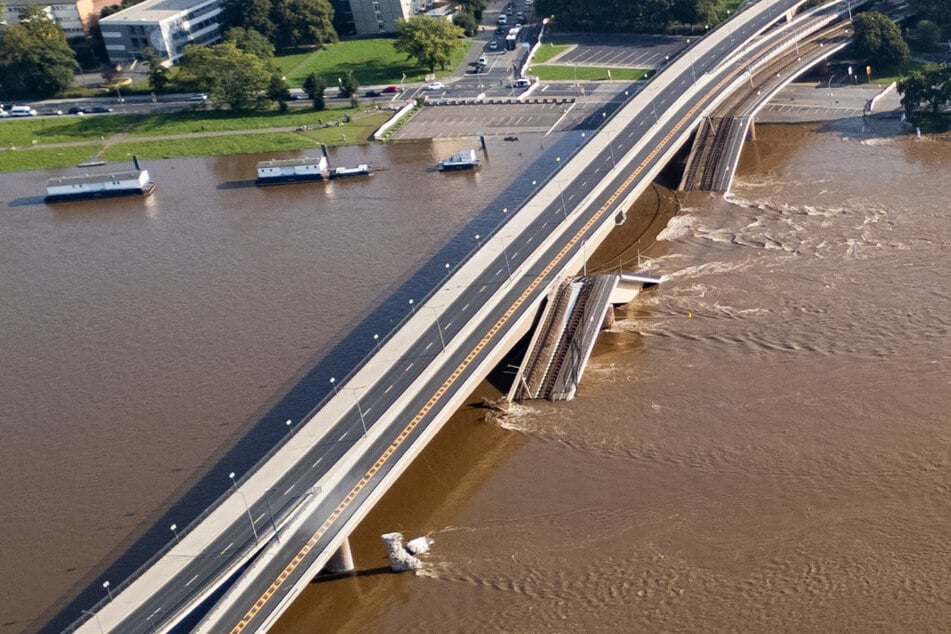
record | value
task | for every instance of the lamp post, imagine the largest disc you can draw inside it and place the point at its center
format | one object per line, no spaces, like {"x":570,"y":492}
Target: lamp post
{"x":149,"y":618}
{"x":356,"y":399}
{"x":690,"y":59}
{"x":442,"y":339}
{"x":267,"y":502}
{"x":95,"y":616}
{"x":333,"y":384}
{"x":505,"y":254}
{"x":174,"y":529}
{"x":105,"y":585}
{"x":376,"y":340}
{"x":290,"y":426}
{"x":561,"y":190}
{"x":247,"y":508}
{"x":412,"y":308}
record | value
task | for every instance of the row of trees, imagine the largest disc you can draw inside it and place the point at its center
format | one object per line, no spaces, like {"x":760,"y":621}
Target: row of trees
{"x":628,"y":15}
{"x":926,"y":90}
{"x":35,"y":58}
{"x":286,"y":24}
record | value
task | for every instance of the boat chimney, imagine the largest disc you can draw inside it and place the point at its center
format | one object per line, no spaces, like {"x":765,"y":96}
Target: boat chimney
{"x":135,"y":161}
{"x":482,"y":141}
{"x":323,"y":148}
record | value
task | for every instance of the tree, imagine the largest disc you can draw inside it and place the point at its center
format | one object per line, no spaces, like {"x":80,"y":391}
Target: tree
{"x":303,"y":23}
{"x":937,"y":10}
{"x":278,"y":90}
{"x":249,"y":14}
{"x":930,"y":86}
{"x":348,"y":85}
{"x":928,"y":35}
{"x":466,"y":22}
{"x":878,"y":39}
{"x":229,"y":75}
{"x":473,"y":8}
{"x":158,"y":74}
{"x":430,"y":42}
{"x":35,"y":59}
{"x":251,"y":41}
{"x":314,"y":86}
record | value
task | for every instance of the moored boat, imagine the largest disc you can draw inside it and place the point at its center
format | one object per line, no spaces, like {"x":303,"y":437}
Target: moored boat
{"x":348,"y":172}
{"x":135,"y":182}
{"x":291,"y":170}
{"x":464,"y":160}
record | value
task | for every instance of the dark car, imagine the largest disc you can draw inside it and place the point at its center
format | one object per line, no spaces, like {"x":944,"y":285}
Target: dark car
{"x":372,"y":93}
{"x":100,"y":109}
{"x":76,"y":110}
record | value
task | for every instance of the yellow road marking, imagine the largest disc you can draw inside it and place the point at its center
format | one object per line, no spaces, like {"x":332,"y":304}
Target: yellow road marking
{"x":438,"y":394}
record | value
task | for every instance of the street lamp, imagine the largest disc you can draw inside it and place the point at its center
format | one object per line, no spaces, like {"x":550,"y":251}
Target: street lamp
{"x":95,"y":616}
{"x":412,"y":308}
{"x":333,"y":384}
{"x":290,"y":426}
{"x":363,"y":420}
{"x":105,"y":584}
{"x":376,"y":340}
{"x":442,"y":340}
{"x":174,"y":529}
{"x":247,"y":508}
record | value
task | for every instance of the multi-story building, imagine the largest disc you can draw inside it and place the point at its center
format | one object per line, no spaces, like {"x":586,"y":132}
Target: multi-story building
{"x":373,"y":17}
{"x":73,"y":16}
{"x":165,"y":25}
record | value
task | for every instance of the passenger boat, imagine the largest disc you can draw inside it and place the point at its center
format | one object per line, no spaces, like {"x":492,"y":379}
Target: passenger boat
{"x":135,"y":182}
{"x":291,"y":170}
{"x":348,"y":172}
{"x":464,"y":160}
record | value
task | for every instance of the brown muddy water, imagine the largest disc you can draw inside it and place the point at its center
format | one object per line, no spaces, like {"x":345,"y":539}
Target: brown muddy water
{"x":760,"y":444}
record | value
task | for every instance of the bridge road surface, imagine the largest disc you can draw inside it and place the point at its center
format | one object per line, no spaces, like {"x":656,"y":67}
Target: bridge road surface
{"x":236,"y":540}
{"x":290,"y":565}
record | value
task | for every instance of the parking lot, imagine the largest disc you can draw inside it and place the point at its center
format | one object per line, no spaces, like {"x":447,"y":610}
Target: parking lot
{"x":619,"y":51}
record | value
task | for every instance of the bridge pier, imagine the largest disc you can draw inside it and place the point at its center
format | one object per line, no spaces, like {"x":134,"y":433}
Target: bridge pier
{"x":342,"y":560}
{"x":752,"y":132}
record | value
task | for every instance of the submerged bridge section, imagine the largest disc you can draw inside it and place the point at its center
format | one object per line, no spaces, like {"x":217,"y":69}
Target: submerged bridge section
{"x":256,"y":549}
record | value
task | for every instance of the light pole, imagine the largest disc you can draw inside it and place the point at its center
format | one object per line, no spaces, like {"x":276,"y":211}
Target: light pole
{"x":174,"y":529}
{"x":561,"y":190}
{"x":412,"y":308}
{"x":505,"y":254}
{"x":247,"y":508}
{"x":333,"y":384}
{"x":290,"y":426}
{"x":149,"y":618}
{"x":690,"y":59}
{"x":376,"y":340}
{"x":105,"y":584}
{"x":356,"y":399}
{"x":651,"y":95}
{"x":831,"y":77}
{"x":442,"y":340}
{"x":267,"y":502}
{"x":95,"y":616}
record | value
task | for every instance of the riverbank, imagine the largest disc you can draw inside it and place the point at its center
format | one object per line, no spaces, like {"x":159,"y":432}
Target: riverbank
{"x":49,"y":143}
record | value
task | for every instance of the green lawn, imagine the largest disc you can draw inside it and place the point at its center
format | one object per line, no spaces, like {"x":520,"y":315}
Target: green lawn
{"x":65,"y":129}
{"x":586,"y":73}
{"x":357,"y":131}
{"x":188,"y":122}
{"x":373,"y":62}
{"x":546,"y":51}
{"x":35,"y":159}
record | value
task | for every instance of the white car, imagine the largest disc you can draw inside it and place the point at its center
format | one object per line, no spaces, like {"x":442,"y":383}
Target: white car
{"x":436,"y":85}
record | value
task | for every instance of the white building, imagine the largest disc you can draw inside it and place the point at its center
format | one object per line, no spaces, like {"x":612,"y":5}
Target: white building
{"x":165,"y":25}
{"x":73,"y":16}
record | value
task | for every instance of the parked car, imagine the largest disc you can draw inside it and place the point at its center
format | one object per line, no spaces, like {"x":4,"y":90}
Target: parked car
{"x":100,"y":109}
{"x":22,"y":111}
{"x":391,"y":89}
{"x":198,"y":96}
{"x":372,"y":93}
{"x":77,"y":110}
{"x":436,"y":85}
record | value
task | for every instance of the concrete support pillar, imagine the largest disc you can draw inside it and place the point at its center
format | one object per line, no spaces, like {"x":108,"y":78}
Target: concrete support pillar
{"x":752,"y":129}
{"x":342,"y":561}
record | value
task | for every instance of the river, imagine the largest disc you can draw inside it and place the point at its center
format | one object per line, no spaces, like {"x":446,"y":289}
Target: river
{"x":758,"y":444}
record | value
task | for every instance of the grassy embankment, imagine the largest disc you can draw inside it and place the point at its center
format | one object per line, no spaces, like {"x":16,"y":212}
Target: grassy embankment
{"x":26,"y":144}
{"x":570,"y":72}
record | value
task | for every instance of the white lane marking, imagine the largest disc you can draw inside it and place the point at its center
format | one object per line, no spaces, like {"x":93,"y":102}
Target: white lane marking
{"x":387,"y":390}
{"x":315,"y":464}
{"x":190,"y":581}
{"x":429,"y":345}
{"x":227,"y":548}
{"x":344,"y":436}
{"x":292,"y":486}
{"x":259,"y":518}
{"x":408,"y":368}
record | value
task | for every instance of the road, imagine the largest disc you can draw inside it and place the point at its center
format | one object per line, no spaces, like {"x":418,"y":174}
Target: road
{"x":429,"y":364}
